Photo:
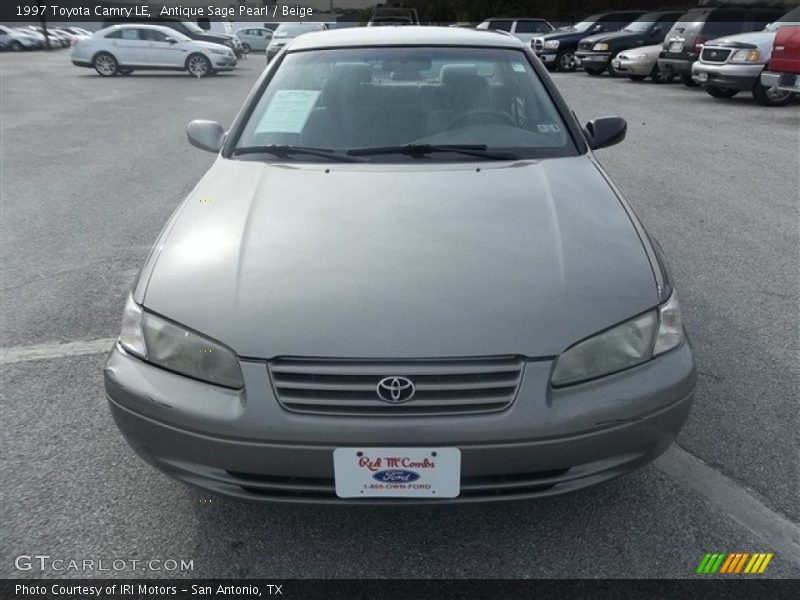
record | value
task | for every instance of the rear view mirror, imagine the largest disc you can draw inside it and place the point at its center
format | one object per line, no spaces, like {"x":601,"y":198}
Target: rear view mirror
{"x":206,"y":135}
{"x":605,"y":131}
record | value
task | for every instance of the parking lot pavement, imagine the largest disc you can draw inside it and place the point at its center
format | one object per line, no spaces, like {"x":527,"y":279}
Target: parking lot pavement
{"x":91,"y":169}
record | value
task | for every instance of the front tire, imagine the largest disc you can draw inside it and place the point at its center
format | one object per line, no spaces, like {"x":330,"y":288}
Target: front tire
{"x":593,"y":71}
{"x":688,"y":81}
{"x":771,"y":96}
{"x":719,"y":92}
{"x":660,"y":75}
{"x":105,"y":64}
{"x":15,"y":46}
{"x":566,"y":61}
{"x":198,"y":66}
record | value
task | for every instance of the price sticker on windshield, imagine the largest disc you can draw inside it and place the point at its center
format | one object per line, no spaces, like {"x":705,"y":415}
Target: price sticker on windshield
{"x":288,"y":111}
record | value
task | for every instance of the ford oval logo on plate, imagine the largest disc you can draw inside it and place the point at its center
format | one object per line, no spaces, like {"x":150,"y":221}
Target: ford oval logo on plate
{"x":396,"y":476}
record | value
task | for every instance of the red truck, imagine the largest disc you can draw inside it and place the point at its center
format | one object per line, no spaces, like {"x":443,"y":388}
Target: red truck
{"x":783,"y":70}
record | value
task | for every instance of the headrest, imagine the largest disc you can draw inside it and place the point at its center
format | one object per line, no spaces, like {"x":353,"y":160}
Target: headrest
{"x":451,"y":73}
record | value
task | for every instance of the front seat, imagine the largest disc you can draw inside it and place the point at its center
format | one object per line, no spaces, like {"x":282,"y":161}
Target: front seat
{"x":464,"y":91}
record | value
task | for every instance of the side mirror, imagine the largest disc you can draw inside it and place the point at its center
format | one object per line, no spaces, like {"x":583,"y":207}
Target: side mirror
{"x":598,"y":28}
{"x":655,"y":31}
{"x":206,"y":135}
{"x":170,"y":40}
{"x":605,"y":131}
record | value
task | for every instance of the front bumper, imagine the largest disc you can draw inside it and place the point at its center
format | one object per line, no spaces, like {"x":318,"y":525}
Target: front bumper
{"x":680,"y":66}
{"x":789,"y":82}
{"x":549,"y":441}
{"x":727,"y":75}
{"x":223,"y":63}
{"x":632,"y":67}
{"x":548,"y":57}
{"x":593,"y":59}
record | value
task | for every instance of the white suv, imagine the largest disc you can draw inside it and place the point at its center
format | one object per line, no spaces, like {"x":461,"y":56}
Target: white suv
{"x":523,"y":29}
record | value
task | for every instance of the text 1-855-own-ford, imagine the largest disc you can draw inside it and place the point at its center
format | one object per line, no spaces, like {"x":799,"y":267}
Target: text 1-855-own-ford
{"x":405,"y":278}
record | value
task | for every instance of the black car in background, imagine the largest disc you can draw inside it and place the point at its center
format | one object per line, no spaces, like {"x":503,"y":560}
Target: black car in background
{"x":596,"y":51}
{"x":684,"y":43}
{"x":557,"y":48}
{"x":188,"y":29}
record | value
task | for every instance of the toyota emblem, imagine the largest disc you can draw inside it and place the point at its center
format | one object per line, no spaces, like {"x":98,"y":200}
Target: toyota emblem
{"x":395,"y":390}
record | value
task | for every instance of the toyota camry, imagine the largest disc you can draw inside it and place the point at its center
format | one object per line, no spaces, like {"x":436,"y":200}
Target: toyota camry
{"x":405,"y":278}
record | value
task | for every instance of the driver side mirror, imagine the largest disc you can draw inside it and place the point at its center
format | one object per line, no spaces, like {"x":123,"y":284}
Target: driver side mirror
{"x":605,"y":131}
{"x":206,"y":135}
{"x":655,"y":31}
{"x":598,"y":28}
{"x":170,"y":40}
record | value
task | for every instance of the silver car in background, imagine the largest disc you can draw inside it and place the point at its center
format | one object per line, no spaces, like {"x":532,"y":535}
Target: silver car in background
{"x":640,"y":63}
{"x":254,"y":38}
{"x":286,"y":32}
{"x":405,"y":278}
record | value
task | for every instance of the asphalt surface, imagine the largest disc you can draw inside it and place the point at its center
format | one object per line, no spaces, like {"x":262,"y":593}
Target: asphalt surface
{"x":90,"y":169}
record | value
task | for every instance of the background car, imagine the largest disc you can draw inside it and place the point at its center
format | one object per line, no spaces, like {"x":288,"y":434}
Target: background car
{"x":387,"y":16}
{"x":54,"y":37}
{"x":189,"y":29}
{"x":120,"y":49}
{"x":683,"y":44}
{"x":557,"y":48}
{"x":640,"y":63}
{"x":16,"y":40}
{"x":523,"y":29}
{"x":596,"y":51}
{"x":254,"y":38}
{"x":285,"y":32}
{"x":784,"y":65}
{"x":732,"y":64}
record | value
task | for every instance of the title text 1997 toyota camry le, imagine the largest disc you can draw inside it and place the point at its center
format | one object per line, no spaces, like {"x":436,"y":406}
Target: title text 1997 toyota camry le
{"x":404,"y":279}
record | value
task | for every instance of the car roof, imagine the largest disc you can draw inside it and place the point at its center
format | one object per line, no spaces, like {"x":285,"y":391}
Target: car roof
{"x":412,"y":35}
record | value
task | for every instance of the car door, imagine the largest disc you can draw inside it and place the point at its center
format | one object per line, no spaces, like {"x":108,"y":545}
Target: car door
{"x":127,"y":46}
{"x":161,"y":50}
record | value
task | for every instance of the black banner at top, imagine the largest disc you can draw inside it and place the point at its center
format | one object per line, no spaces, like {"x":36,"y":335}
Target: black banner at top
{"x":341,"y":11}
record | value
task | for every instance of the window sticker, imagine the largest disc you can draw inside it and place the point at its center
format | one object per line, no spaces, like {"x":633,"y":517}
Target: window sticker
{"x":288,"y":111}
{"x":518,"y":67}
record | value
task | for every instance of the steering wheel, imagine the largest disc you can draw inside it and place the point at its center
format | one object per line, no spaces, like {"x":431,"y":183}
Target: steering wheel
{"x":492,"y":116}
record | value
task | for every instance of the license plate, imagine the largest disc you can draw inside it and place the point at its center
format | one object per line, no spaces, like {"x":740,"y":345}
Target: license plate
{"x":676,"y":47}
{"x":397,"y":472}
{"x":701,"y":76}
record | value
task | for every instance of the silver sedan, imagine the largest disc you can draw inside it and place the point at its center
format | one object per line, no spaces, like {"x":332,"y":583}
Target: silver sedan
{"x":405,"y":278}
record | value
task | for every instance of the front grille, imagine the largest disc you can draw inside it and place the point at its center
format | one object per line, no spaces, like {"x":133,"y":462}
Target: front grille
{"x":717,"y":55}
{"x":478,"y":487}
{"x":349,"y":387}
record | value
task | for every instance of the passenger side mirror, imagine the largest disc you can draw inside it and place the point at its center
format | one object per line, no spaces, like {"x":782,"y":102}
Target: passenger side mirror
{"x":605,"y":131}
{"x":206,"y":135}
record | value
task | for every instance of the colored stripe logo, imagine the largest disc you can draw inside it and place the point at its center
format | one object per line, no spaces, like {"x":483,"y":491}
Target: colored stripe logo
{"x":734,"y":563}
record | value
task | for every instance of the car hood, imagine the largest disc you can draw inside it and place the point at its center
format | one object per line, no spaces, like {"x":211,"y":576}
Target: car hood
{"x":208,"y":45}
{"x":220,"y":38}
{"x":557,"y":34}
{"x":618,"y":36}
{"x":650,"y":51}
{"x":399,"y":261}
{"x":755,"y":39}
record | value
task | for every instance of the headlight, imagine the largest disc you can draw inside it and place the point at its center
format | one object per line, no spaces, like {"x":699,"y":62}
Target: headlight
{"x":172,"y":347}
{"x":621,"y":347}
{"x":746,"y":56}
{"x":215,"y":51}
{"x":600,"y":47}
{"x":551,"y":44}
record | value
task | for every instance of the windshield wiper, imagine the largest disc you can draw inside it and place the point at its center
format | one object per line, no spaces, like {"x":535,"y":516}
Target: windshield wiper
{"x":419,"y":150}
{"x":284,"y":151}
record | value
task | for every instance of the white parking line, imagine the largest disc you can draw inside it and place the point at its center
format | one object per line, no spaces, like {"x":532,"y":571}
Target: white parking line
{"x":781,"y":535}
{"x":18,"y":354}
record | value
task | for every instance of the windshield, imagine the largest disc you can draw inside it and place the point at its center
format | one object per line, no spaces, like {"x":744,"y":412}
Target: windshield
{"x":640,"y":26}
{"x":193,"y":27}
{"x":295,"y":29}
{"x":352,"y":99}
{"x":790,"y":18}
{"x":582,"y":26}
